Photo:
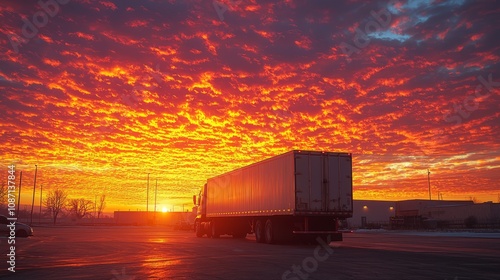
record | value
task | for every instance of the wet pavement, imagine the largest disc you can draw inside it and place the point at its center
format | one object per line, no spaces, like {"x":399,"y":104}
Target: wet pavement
{"x":127,"y":253}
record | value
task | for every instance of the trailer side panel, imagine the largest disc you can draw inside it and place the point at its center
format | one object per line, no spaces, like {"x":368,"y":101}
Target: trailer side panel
{"x":263,"y":188}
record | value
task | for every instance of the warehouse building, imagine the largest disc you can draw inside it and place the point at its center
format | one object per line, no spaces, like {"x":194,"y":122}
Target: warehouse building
{"x":371,"y":213}
{"x":484,"y":215}
{"x":420,"y":213}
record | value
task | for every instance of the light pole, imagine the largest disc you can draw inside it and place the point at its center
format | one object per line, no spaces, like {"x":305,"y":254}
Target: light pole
{"x":95,"y":207}
{"x":33,"y":201}
{"x":429,"y":180}
{"x":156,"y":189}
{"x":40,"y":216}
{"x":147,"y":197}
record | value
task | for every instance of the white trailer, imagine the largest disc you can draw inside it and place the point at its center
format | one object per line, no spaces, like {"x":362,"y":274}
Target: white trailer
{"x":299,"y":193}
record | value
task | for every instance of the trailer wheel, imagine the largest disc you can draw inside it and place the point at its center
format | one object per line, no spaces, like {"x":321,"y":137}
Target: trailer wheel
{"x":213,"y":228}
{"x":198,"y":229}
{"x":268,"y":232}
{"x":259,"y":231}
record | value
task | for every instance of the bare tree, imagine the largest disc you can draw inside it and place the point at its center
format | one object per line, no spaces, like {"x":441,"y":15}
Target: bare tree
{"x":473,"y":199}
{"x":101,"y":205}
{"x":80,"y":207}
{"x":54,"y":203}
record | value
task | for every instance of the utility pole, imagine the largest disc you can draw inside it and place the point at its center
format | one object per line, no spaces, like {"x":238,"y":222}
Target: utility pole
{"x":429,"y":180}
{"x":19,"y":195}
{"x":147,"y":197}
{"x":33,"y":201}
{"x":95,"y":207}
{"x":156,"y":189}
{"x":40,"y":214}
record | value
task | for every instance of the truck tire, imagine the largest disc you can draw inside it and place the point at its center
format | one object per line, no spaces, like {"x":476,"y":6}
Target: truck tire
{"x":213,"y":229}
{"x":269,"y":236}
{"x":259,"y":231}
{"x":198,"y":229}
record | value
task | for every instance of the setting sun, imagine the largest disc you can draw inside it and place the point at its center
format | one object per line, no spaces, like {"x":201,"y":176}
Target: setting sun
{"x":164,"y":209}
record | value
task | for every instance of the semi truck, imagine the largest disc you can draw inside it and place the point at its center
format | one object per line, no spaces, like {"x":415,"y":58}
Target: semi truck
{"x":293,"y":196}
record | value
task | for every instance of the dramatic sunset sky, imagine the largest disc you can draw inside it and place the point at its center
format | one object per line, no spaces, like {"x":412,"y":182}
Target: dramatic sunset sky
{"x":100,"y":93}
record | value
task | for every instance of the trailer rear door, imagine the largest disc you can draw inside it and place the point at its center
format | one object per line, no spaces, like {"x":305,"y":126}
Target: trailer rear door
{"x":323,"y":182}
{"x":339,"y":182}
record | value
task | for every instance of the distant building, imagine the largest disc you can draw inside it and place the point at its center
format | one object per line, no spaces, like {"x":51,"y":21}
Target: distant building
{"x":420,"y":207}
{"x":420,"y":213}
{"x":371,"y":213}
{"x":414,"y":214}
{"x":484,"y":215}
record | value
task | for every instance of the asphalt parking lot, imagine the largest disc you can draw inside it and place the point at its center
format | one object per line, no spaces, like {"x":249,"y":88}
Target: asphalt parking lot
{"x":126,"y":253}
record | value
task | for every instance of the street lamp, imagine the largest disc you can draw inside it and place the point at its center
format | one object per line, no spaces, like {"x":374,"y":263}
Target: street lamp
{"x":33,"y":201}
{"x":429,"y":180}
{"x":147,"y":197}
